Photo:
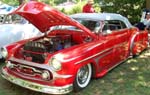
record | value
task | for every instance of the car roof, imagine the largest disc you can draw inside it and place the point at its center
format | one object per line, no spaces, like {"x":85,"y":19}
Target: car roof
{"x":101,"y":17}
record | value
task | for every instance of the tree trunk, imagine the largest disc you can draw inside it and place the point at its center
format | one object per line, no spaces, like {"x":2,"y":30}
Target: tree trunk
{"x":20,"y":2}
{"x":147,"y":4}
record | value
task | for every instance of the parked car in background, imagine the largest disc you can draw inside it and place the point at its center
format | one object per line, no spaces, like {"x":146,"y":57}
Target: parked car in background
{"x":73,"y":50}
{"x":14,"y":28}
{"x":4,"y":10}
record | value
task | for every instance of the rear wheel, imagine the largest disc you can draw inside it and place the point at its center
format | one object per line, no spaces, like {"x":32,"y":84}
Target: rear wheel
{"x":83,"y":77}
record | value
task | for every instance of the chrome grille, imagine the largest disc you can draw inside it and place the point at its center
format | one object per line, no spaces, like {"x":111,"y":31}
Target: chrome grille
{"x":28,"y":70}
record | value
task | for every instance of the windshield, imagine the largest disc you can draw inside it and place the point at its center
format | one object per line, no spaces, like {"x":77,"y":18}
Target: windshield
{"x":91,"y":25}
{"x":94,"y":26}
{"x":15,"y":19}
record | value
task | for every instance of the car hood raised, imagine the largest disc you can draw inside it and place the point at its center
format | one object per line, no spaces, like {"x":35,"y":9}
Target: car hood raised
{"x":44,"y":16}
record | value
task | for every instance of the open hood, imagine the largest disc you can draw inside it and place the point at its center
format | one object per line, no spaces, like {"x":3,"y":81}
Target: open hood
{"x":44,"y":17}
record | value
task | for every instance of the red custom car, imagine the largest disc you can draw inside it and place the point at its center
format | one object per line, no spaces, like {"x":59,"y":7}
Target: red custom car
{"x":73,"y":50}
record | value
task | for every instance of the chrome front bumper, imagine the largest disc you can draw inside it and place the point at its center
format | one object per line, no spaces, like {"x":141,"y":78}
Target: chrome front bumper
{"x":35,"y":86}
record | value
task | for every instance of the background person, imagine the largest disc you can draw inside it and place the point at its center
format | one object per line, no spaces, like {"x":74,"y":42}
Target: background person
{"x":88,"y":8}
{"x":146,"y":21}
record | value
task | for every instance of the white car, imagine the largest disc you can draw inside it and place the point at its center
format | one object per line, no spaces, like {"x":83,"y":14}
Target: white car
{"x":4,"y":10}
{"x":15,"y":28}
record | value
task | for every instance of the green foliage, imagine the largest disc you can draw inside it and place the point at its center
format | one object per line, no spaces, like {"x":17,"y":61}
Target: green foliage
{"x":58,"y":1}
{"x":77,"y":8}
{"x":11,"y":2}
{"x":51,"y":2}
{"x":130,"y":8}
{"x":97,"y":7}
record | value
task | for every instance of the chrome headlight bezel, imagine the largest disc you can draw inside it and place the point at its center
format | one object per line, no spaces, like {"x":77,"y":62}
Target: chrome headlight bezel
{"x":4,"y":52}
{"x":55,"y":64}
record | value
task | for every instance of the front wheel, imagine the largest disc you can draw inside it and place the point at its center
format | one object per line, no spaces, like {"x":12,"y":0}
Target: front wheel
{"x":83,"y":77}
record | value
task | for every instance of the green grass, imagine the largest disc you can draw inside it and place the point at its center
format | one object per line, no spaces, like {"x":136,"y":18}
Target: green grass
{"x":130,"y":78}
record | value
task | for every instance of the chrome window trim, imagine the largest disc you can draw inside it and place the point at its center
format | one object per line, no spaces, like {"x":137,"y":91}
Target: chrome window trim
{"x":94,"y":55}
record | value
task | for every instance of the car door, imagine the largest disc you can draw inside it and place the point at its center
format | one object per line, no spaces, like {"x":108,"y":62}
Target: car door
{"x":120,"y":32}
{"x":116,"y":37}
{"x":106,"y":60}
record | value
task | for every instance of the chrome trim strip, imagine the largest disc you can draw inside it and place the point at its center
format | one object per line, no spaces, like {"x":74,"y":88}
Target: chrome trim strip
{"x":24,"y":62}
{"x":37,"y":87}
{"x":97,"y":59}
{"x":42,"y":66}
{"x":132,"y":42}
{"x":99,"y":53}
{"x":24,"y":66}
{"x":94,"y":55}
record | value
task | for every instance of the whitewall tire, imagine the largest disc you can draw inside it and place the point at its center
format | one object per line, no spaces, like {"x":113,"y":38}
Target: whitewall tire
{"x":83,"y":77}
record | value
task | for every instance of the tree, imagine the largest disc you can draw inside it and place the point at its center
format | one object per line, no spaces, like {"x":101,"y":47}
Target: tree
{"x":20,"y":2}
{"x":148,"y":4}
{"x":11,"y":2}
{"x":129,"y":8}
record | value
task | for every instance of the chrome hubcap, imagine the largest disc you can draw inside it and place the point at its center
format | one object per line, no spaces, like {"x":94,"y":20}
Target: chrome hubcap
{"x":83,"y":74}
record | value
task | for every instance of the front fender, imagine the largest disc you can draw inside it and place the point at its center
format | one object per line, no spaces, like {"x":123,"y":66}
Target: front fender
{"x":75,"y":57}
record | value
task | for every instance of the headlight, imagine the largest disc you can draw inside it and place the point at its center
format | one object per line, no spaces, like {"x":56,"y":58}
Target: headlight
{"x":55,"y":64}
{"x":3,"y":52}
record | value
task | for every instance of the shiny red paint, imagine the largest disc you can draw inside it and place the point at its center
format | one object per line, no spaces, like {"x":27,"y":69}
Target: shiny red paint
{"x":104,"y":52}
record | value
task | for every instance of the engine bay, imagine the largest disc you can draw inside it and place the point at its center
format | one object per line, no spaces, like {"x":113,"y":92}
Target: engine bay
{"x":49,"y":44}
{"x":37,"y":50}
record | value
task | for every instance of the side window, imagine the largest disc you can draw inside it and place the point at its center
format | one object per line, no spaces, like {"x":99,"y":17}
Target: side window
{"x":13,"y":18}
{"x":91,"y":25}
{"x":123,"y":25}
{"x":106,"y":28}
{"x":114,"y":25}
